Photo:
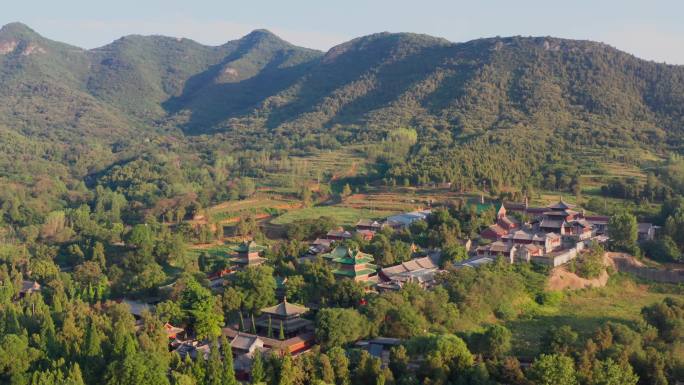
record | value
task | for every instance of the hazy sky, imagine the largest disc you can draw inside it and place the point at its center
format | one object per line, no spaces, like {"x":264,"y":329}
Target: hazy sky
{"x":651,"y":29}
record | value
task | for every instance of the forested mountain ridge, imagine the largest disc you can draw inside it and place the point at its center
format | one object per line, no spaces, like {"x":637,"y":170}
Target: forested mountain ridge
{"x":490,"y":112}
{"x":378,"y":81}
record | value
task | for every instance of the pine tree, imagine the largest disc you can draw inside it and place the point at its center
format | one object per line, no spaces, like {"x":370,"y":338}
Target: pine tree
{"x":74,"y":377}
{"x":228,"y":375}
{"x":98,"y":255}
{"x":286,"y":370}
{"x":92,"y":351}
{"x":325,"y":368}
{"x":258,"y":371}
{"x":270,"y":331}
{"x":213,"y":374}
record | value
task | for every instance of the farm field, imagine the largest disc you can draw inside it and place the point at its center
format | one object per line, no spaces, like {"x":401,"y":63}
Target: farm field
{"x":230,"y":211}
{"x":343,"y":215}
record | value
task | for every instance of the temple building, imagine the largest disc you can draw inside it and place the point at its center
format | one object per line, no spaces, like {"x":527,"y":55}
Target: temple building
{"x":352,"y":264}
{"x":248,"y":254}
{"x":503,"y":226}
{"x":286,"y":316}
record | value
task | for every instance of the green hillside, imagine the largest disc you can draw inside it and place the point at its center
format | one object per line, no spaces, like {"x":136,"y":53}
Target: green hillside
{"x":493,"y":114}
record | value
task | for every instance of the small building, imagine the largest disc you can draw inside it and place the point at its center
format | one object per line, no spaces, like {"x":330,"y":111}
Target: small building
{"x":248,"y":254}
{"x":246,"y":344}
{"x":136,"y":307}
{"x":404,"y":220}
{"x":366,"y":235}
{"x":380,"y":348}
{"x":193,"y":349}
{"x":369,"y":224}
{"x":496,"y":249}
{"x":28,"y":288}
{"x":338,"y":234}
{"x":320,"y":245}
{"x":418,"y":264}
{"x":173,"y":332}
{"x":646,"y":231}
{"x":475,"y":262}
{"x":503,"y":226}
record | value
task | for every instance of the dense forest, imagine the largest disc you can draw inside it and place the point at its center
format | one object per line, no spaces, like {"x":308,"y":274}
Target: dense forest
{"x":107,"y":156}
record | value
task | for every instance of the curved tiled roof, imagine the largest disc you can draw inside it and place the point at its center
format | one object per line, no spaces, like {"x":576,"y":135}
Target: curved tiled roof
{"x":285,"y":308}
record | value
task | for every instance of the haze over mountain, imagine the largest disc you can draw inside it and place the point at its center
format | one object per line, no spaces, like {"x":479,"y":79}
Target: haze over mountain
{"x":260,"y":84}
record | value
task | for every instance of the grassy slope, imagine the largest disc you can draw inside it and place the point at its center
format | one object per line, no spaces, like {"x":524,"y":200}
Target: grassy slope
{"x":585,"y":310}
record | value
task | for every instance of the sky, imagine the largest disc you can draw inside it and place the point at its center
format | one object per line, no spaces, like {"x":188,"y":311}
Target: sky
{"x":650,"y":29}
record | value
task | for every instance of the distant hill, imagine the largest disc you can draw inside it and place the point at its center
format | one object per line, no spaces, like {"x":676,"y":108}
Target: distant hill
{"x":260,"y":86}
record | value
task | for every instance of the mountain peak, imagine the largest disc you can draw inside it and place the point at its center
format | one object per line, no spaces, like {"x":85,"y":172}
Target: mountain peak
{"x":263,"y":36}
{"x":17,"y":30}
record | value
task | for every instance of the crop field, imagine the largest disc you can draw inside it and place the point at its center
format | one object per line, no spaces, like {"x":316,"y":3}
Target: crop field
{"x":260,"y":205}
{"x":343,"y":215}
{"x":319,"y":166}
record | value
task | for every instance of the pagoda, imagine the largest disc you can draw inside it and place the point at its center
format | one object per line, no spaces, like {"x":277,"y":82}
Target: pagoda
{"x":352,"y":263}
{"x":247,"y":254}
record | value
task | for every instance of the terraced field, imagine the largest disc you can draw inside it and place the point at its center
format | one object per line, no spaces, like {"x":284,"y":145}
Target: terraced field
{"x":343,"y":215}
{"x":262,"y":205}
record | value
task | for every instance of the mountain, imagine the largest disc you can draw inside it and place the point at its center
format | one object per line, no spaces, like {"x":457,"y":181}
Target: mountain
{"x":48,"y":87}
{"x":262,"y":86}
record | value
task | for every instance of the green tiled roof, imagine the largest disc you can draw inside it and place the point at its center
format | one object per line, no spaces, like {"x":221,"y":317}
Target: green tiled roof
{"x":365,"y":258}
{"x":248,"y":247}
{"x":347,"y":256}
{"x":338,"y":252}
{"x":353,"y":273}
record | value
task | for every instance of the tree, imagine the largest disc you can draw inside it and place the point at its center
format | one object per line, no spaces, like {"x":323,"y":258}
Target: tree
{"x":287,"y":371}
{"x":16,"y":356}
{"x":666,"y":316}
{"x":623,"y":231}
{"x":258,"y":373}
{"x":346,"y":190}
{"x":496,"y":341}
{"x":553,"y":369}
{"x":169,"y":311}
{"x":141,"y":237}
{"x":591,"y":262}
{"x":445,"y":356}
{"x":674,"y":223}
{"x":213,"y":374}
{"x":256,"y":286}
{"x":609,"y":372}
{"x":202,"y":309}
{"x":347,"y":293}
{"x":337,"y":327}
{"x":559,"y":340}
{"x":294,"y":288}
{"x":663,"y":250}
{"x":305,"y":195}
{"x":246,"y":187}
{"x":325,"y":369}
{"x":340,"y":365}
{"x":228,"y":373}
